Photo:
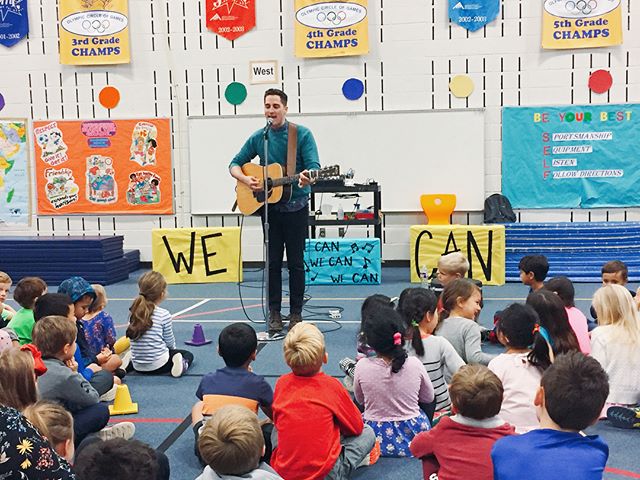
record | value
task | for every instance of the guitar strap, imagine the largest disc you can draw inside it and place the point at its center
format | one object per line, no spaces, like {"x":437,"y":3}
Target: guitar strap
{"x":292,"y":143}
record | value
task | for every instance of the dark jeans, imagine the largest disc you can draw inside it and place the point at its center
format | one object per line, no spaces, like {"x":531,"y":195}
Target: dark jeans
{"x":102,"y":381}
{"x":166,"y":368}
{"x":89,"y":420}
{"x":287,"y":230}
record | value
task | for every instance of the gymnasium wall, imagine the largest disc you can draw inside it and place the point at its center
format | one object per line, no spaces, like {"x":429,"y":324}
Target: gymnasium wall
{"x":180,"y":69}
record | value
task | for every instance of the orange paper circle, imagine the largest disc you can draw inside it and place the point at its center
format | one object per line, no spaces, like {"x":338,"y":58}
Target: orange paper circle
{"x":109,"y":97}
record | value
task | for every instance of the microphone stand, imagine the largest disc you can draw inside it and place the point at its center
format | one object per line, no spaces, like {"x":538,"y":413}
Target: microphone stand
{"x":265,"y":229}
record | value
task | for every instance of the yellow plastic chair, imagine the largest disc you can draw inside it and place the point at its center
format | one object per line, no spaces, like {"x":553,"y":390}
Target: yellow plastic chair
{"x":438,"y":207}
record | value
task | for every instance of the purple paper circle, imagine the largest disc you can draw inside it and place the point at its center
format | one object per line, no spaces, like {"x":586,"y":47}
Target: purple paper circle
{"x":2,"y":103}
{"x":353,"y":89}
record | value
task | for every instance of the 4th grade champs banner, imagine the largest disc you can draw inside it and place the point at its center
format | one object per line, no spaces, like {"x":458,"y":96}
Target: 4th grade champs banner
{"x":103,"y":166}
{"x":331,"y":29}
{"x":576,"y":156}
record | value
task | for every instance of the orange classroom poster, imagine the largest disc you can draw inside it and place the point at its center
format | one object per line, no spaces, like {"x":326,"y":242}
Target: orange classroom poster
{"x":103,"y":166}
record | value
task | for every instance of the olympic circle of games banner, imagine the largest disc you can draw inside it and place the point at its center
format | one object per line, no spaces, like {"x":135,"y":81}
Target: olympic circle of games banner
{"x":103,"y":166}
{"x":331,"y":29}
{"x":94,"y":32}
{"x":581,"y":23}
{"x":473,"y":14}
{"x":574,"y":156}
{"x":230,"y":18}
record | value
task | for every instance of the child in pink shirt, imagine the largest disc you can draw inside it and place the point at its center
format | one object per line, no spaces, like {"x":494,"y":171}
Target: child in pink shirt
{"x":563,"y":287}
{"x":520,"y":379}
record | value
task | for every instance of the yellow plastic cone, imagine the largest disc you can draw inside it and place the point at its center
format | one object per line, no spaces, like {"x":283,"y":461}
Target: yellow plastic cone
{"x":123,"y":405}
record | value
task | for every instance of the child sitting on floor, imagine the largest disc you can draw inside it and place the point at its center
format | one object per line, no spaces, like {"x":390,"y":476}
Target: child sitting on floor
{"x":26,"y":293}
{"x":153,"y":345}
{"x":459,"y":447}
{"x":56,"y":424}
{"x":533,"y":271}
{"x":319,"y":429}
{"x":231,"y":444}
{"x":570,"y":398}
{"x":563,"y":287}
{"x":235,"y":384}
{"x":99,"y":329}
{"x":520,"y":379}
{"x":418,"y":307}
{"x":616,"y":345}
{"x":390,"y":385}
{"x":6,"y":312}
{"x":461,"y":302}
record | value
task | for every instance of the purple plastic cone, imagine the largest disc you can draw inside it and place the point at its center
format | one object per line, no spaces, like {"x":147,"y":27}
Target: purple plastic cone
{"x":197,"y":339}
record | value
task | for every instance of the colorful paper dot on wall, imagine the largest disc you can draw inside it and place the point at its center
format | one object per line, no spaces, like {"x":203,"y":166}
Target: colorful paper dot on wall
{"x":235,"y":93}
{"x":2,"y":104}
{"x":461,"y":86}
{"x":109,"y":97}
{"x":600,"y":81}
{"x":353,"y":89}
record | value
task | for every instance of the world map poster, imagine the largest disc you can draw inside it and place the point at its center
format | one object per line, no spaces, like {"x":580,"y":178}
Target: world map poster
{"x":14,"y":173}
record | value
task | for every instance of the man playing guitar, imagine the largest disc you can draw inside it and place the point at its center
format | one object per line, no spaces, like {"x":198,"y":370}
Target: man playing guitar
{"x":288,"y":221}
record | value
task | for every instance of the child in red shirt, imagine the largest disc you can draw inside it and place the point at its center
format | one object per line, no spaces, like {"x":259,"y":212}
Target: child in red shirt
{"x":320,"y":432}
{"x":476,"y":394}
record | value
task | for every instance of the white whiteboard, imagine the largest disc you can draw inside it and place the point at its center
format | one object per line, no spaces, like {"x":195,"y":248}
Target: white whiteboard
{"x":407,"y":152}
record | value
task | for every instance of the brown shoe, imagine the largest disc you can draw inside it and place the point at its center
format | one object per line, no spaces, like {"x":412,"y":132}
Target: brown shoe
{"x":294,"y":319}
{"x":275,"y":322}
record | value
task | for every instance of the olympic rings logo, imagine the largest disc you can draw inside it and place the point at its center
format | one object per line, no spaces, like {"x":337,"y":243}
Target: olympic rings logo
{"x":332,"y":18}
{"x":584,"y":7}
{"x":97,"y":26}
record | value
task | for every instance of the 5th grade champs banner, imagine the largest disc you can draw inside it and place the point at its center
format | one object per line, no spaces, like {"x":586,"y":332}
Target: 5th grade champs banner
{"x":331,"y":29}
{"x":577,"y":156}
{"x":103,"y":166}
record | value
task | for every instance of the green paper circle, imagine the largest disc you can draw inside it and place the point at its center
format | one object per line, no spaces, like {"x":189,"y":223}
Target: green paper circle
{"x":235,"y":93}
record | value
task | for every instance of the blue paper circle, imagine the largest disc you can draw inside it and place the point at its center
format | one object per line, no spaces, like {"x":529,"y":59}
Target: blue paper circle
{"x":353,"y":89}
{"x":2,"y":104}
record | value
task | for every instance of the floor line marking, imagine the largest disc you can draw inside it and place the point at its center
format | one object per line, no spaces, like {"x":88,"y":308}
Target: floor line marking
{"x":146,"y":420}
{"x":188,"y":309}
{"x":624,"y":473}
{"x":222,"y":310}
{"x":262,"y":321}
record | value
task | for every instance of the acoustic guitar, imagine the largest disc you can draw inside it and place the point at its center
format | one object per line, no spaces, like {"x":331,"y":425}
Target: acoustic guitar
{"x":278,"y":185}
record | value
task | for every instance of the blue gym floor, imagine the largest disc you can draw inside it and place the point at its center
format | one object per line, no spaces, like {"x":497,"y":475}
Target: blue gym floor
{"x":165,"y":402}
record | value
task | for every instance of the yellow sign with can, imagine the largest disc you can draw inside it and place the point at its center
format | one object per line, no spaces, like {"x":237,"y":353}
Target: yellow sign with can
{"x":331,"y":28}
{"x":94,"y":32}
{"x":581,"y":24}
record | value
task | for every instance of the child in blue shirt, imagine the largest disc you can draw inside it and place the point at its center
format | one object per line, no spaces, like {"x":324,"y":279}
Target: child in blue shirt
{"x":572,"y":393}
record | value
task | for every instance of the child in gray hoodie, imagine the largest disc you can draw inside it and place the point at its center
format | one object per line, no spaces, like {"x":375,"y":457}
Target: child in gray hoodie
{"x":231,"y":444}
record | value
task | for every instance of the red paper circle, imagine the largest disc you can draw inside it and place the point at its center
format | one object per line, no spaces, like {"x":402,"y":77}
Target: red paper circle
{"x":109,"y":97}
{"x":600,"y":81}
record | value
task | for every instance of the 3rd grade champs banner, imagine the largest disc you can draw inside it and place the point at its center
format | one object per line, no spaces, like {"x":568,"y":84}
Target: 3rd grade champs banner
{"x":94,"y":32}
{"x":581,"y":24}
{"x":331,"y":29}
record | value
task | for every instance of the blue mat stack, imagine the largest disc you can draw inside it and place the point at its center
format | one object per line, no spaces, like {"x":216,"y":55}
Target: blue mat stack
{"x":97,"y":259}
{"x":576,"y":250}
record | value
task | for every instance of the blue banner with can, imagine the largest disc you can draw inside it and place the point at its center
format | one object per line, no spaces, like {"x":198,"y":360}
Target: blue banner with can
{"x":342,"y":261}
{"x":14,"y":21}
{"x":473,"y":14}
{"x":574,"y":156}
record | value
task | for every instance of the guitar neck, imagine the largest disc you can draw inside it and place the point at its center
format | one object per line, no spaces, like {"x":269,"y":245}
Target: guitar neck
{"x":277,"y":182}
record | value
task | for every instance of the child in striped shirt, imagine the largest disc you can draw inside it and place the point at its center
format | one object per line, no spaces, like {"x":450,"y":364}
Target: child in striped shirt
{"x":153,"y":345}
{"x":418,"y":307}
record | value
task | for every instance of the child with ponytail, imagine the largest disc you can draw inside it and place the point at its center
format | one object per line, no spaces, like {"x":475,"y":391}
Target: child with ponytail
{"x":153,"y":345}
{"x":391,"y":384}
{"x":441,"y":361}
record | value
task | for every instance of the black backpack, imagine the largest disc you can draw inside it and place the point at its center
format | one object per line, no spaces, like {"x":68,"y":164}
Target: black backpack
{"x":497,"y":209}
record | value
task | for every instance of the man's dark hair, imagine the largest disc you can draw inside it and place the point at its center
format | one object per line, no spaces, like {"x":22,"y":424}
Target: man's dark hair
{"x":575,"y":390}
{"x":116,"y":458}
{"x":538,"y":264}
{"x":615,"y":266}
{"x":276,"y":91}
{"x":236,"y":343}
{"x":52,"y":304}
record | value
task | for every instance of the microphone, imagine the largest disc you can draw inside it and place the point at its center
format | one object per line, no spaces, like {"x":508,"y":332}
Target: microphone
{"x":268,"y":125}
